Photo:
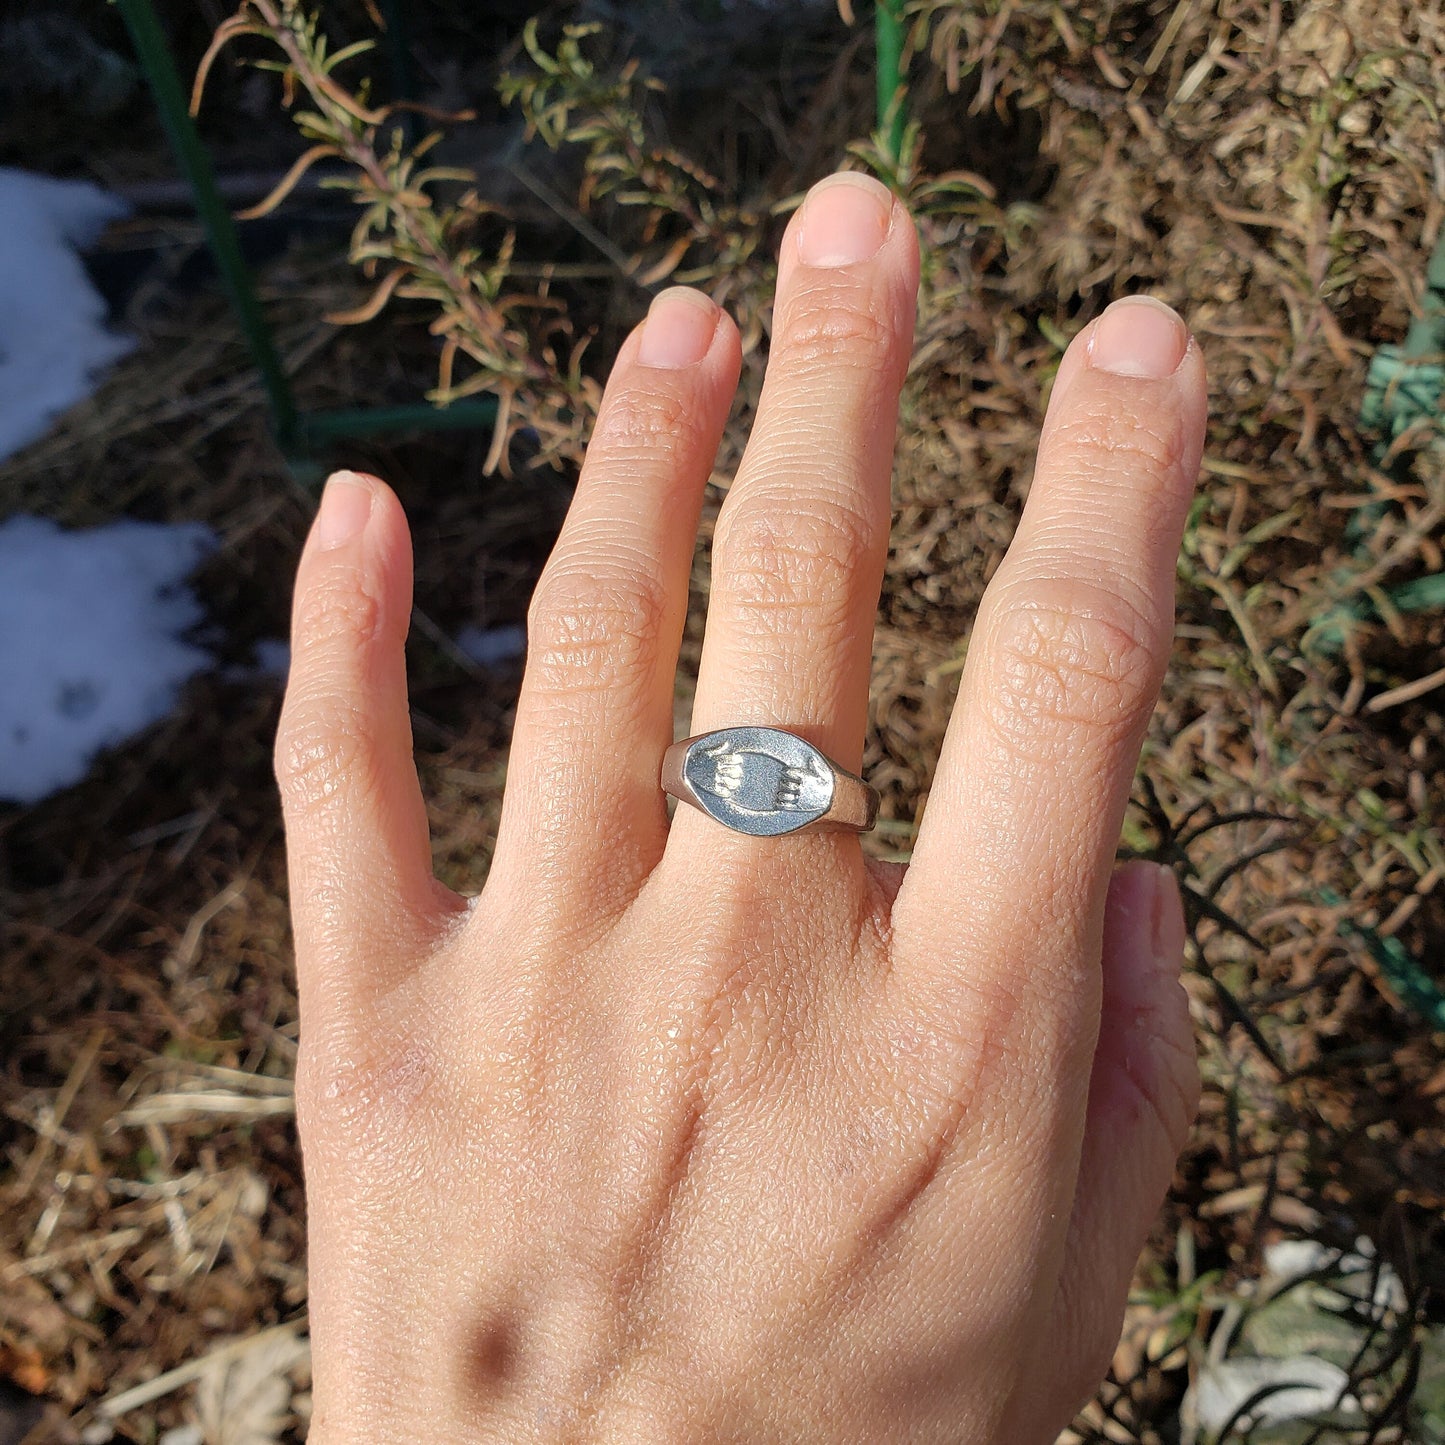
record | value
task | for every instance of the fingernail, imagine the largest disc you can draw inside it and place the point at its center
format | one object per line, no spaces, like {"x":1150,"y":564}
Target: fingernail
{"x":344,"y":511}
{"x":679,"y":329}
{"x":1139,"y":337}
{"x":845,"y":220}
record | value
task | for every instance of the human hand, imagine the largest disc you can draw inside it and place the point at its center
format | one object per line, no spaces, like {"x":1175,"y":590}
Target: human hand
{"x":679,"y":1135}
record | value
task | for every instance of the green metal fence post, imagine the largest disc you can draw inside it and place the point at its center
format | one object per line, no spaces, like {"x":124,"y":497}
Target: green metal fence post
{"x":160,"y":71}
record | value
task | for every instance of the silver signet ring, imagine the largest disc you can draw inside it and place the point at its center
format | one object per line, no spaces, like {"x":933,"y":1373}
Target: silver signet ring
{"x":766,"y":782}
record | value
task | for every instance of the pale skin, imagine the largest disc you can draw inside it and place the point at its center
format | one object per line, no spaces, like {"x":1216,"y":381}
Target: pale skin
{"x":676,"y":1135}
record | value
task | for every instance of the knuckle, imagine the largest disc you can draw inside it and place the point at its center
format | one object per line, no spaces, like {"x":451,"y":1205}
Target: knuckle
{"x":652,"y":426}
{"x":320,"y":747}
{"x":360,"y":1100}
{"x":1121,"y":436}
{"x":783,"y":566}
{"x":1088,"y":663}
{"x":835,"y":333}
{"x":336,"y":612}
{"x":324,"y":736}
{"x":592,"y":628}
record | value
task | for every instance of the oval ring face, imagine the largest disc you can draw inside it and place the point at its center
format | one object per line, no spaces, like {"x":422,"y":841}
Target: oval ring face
{"x":761,"y":781}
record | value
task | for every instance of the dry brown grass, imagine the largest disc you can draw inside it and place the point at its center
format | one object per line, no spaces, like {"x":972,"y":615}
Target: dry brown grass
{"x":1275,"y":171}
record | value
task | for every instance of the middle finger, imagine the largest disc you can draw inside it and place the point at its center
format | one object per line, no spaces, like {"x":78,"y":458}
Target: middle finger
{"x":801,"y":541}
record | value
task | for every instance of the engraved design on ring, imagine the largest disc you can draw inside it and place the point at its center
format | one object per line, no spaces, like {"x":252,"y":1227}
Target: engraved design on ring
{"x":766,"y":782}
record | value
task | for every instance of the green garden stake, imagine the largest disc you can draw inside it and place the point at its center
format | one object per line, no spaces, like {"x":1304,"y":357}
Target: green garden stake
{"x":1406,"y":384}
{"x":892,"y":116}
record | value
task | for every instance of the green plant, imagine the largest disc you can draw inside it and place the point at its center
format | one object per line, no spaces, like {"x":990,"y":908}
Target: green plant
{"x":421,"y":231}
{"x":417,"y":237}
{"x":569,"y":100}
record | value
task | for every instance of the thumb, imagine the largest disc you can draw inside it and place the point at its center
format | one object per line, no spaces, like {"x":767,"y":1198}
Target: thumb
{"x":1143,"y":1094}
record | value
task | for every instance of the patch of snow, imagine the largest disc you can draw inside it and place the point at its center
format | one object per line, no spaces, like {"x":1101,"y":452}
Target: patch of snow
{"x":91,"y":651}
{"x":1291,"y":1259}
{"x":273,"y":658}
{"x":1299,"y":1388}
{"x":54,"y":343}
{"x":491,"y":646}
{"x":1348,"y":1276}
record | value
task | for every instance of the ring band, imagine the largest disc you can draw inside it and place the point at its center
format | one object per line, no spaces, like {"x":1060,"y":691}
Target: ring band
{"x":766,"y":782}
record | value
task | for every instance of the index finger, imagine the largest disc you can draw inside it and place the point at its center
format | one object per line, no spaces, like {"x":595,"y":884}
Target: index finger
{"x":1009,"y":876}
